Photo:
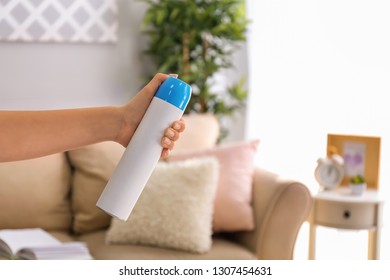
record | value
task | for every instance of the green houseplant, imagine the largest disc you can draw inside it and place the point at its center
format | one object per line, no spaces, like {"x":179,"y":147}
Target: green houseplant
{"x":358,"y":184}
{"x":357,"y":179}
{"x":196,"y":39}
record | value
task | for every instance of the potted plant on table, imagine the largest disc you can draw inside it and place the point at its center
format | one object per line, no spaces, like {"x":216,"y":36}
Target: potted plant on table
{"x":358,"y":184}
{"x":196,"y":39}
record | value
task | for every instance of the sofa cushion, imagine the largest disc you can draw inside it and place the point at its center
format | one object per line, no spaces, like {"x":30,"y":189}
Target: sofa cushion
{"x":221,"y":249}
{"x":232,"y":206}
{"x":93,"y":166}
{"x":175,"y":208}
{"x":35,"y":193}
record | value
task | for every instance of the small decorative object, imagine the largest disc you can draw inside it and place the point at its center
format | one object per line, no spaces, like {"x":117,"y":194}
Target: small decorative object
{"x":330,"y":171}
{"x":358,"y":185}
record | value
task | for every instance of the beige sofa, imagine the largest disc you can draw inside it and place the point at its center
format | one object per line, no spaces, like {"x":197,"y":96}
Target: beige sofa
{"x":59,"y":192}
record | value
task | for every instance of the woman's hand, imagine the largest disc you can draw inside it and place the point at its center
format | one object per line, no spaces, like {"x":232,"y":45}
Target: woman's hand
{"x":133,"y":112}
{"x":171,"y":135}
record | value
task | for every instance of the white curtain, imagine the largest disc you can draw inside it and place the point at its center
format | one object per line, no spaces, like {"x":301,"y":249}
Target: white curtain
{"x":319,"y":67}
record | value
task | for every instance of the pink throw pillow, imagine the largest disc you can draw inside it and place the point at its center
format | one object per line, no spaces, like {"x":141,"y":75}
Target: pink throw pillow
{"x":232,"y":205}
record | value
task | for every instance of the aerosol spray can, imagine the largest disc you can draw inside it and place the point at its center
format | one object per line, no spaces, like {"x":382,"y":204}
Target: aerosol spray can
{"x":144,"y":150}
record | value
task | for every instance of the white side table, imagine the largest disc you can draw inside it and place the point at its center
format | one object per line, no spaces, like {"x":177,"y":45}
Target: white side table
{"x":339,"y":209}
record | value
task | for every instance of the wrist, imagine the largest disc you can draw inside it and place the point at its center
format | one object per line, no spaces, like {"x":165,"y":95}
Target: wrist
{"x":108,"y":124}
{"x":125,"y":124}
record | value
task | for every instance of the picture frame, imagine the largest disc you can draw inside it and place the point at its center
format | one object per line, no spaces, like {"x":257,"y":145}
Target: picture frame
{"x":59,"y":21}
{"x":361,"y":156}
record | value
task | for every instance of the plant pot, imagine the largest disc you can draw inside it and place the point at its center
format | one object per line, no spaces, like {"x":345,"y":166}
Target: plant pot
{"x":358,"y":189}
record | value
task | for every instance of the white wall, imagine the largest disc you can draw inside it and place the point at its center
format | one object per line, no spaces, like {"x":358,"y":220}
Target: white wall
{"x":316,"y":68}
{"x":236,"y":123}
{"x":49,"y":76}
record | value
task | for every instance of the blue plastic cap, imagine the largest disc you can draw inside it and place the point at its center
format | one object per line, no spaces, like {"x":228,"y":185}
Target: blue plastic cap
{"x":175,"y":92}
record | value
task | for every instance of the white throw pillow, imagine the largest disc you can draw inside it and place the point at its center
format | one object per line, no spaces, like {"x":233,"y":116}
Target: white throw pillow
{"x":175,"y":209}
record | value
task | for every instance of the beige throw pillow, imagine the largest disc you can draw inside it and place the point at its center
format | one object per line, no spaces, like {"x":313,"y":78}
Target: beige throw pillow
{"x":35,"y":193}
{"x":93,"y":166}
{"x":175,"y":208}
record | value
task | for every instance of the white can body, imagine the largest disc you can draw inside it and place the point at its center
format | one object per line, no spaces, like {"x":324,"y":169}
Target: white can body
{"x":139,"y":160}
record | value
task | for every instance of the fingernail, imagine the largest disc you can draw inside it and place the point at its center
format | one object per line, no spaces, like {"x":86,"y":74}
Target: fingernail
{"x":165,"y":153}
{"x":176,"y":126}
{"x":170,"y":133}
{"x":166,"y":141}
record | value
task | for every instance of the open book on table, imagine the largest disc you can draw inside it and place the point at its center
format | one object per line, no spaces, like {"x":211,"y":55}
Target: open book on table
{"x":37,"y":244}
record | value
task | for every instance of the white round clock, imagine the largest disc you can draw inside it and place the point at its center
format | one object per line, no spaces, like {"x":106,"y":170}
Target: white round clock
{"x":330,"y":171}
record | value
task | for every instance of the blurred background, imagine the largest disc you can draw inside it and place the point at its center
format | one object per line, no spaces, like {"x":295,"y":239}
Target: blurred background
{"x":313,"y":67}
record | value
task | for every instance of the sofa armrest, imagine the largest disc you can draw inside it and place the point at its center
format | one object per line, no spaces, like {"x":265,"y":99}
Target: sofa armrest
{"x":280,"y":207}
